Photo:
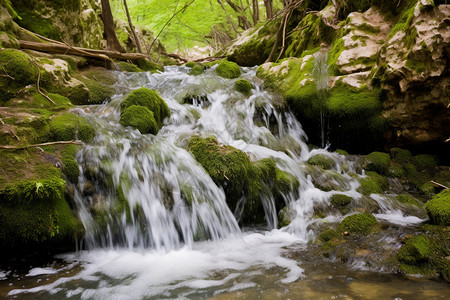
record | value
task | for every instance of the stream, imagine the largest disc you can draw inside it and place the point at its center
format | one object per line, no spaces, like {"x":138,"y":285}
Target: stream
{"x":176,"y":238}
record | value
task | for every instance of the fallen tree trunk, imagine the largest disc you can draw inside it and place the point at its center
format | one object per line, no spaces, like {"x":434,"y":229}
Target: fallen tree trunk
{"x":59,"y":48}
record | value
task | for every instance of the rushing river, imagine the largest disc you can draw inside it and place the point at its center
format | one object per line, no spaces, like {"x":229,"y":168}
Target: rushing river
{"x":161,"y":249}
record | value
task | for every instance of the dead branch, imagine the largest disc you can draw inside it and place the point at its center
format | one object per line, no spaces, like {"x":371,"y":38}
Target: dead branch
{"x":39,"y":80}
{"x":9,"y":147}
{"x":439,"y":185}
{"x":176,"y":56}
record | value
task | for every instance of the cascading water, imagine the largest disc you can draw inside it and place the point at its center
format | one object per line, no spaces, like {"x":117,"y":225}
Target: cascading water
{"x":156,"y":224}
{"x":320,"y":74}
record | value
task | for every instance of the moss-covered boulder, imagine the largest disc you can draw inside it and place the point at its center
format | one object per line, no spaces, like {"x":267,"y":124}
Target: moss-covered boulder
{"x":377,"y":162}
{"x":407,"y":199}
{"x":68,"y":127}
{"x":373,"y":183}
{"x":34,"y":212}
{"x":197,"y":70}
{"x":242,"y":178}
{"x":149,"y":66}
{"x":340,"y":200}
{"x":71,"y":167}
{"x":438,"y":208}
{"x":127,"y":67}
{"x":328,"y":235}
{"x":415,"y":250}
{"x":362,"y":224}
{"x":140,"y":118}
{"x":228,"y":69}
{"x":243,"y":86}
{"x":322,"y":161}
{"x":149,"y":99}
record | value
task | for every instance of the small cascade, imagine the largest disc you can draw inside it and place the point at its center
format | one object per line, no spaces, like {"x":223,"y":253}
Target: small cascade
{"x":320,"y":74}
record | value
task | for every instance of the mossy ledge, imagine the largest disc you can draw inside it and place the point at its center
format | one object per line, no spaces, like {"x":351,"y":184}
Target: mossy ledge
{"x":240,"y":177}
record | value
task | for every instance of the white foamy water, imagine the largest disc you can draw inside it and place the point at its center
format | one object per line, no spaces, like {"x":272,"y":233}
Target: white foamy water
{"x":231,"y":264}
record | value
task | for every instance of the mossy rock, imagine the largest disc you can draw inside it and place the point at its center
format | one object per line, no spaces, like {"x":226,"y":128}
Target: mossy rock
{"x":400,"y":156}
{"x":243,"y":86}
{"x":407,"y":199}
{"x":61,"y":102}
{"x":373,"y":184}
{"x":396,"y":171}
{"x":427,"y":189}
{"x":339,"y":200}
{"x":362,"y":224}
{"x":438,"y":208}
{"x":68,"y":127}
{"x":197,"y":70}
{"x":425,"y":162}
{"x":149,"y":99}
{"x":18,"y":65}
{"x":100,"y":75}
{"x":328,"y":235}
{"x":322,"y":161}
{"x":416,"y":250}
{"x":98,"y":92}
{"x":78,"y":94}
{"x":190,"y":64}
{"x":71,"y":167}
{"x":139,"y":117}
{"x":228,"y":69}
{"x":285,"y":216}
{"x":149,"y":66}
{"x":127,"y":67}
{"x":35,"y":212}
{"x":377,"y":162}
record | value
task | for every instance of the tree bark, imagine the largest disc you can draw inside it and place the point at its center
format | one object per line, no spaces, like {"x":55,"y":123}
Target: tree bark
{"x":269,"y":8}
{"x":255,"y":12}
{"x":243,"y":21}
{"x":112,"y":42}
{"x":137,"y":43}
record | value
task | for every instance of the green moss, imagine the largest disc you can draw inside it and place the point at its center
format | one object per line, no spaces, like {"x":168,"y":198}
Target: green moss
{"x":410,"y":169}
{"x":71,"y":168}
{"x":333,"y":55}
{"x":18,"y":65}
{"x":364,"y":27}
{"x":78,"y":95}
{"x":341,"y":152}
{"x":139,"y":117}
{"x":339,"y":200}
{"x":149,"y":66}
{"x":396,"y":171}
{"x":36,"y":22}
{"x":191,"y":64}
{"x":427,"y":188}
{"x":243,"y":86}
{"x":101,"y":75}
{"x":197,"y":70}
{"x":40,"y":101}
{"x":407,"y":199}
{"x":127,"y":67}
{"x":416,"y":250}
{"x":377,"y":162}
{"x":322,"y":161}
{"x":228,"y":69}
{"x":149,"y":99}
{"x":359,"y":223}
{"x":69,"y":127}
{"x":98,"y":92}
{"x":328,"y":235}
{"x":35,"y":211}
{"x":400,"y":156}
{"x":372,"y":184}
{"x":424,"y":162}
{"x":285,"y":217}
{"x":438,"y":208}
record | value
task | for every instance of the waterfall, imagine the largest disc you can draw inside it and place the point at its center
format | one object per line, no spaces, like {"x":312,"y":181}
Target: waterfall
{"x":320,"y":75}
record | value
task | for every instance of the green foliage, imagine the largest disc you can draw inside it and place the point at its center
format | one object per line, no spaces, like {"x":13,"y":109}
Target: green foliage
{"x":139,"y":117}
{"x":339,"y":200}
{"x":243,"y":86}
{"x":149,"y":99}
{"x":438,"y":208}
{"x":228,"y":69}
{"x":359,"y":223}
{"x":372,"y":184}
{"x":322,"y":161}
{"x":188,"y":29}
{"x":69,"y":127}
{"x":377,"y":162}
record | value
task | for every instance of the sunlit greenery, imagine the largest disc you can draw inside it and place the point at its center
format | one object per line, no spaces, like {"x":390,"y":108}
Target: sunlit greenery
{"x":202,"y":23}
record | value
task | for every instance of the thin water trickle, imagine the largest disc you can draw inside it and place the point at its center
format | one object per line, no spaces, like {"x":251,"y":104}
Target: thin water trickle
{"x":320,"y":75}
{"x":156,"y":224}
